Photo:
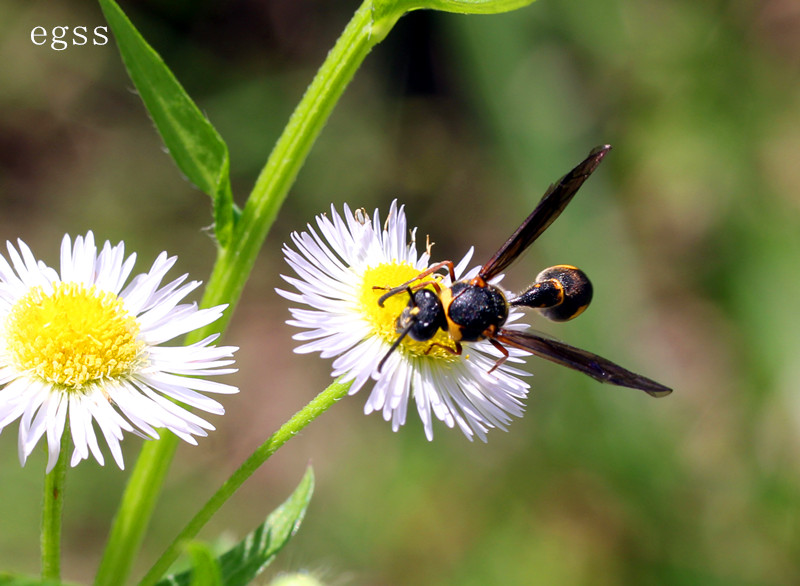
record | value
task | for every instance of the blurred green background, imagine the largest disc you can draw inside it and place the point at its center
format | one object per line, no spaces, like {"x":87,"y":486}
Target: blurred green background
{"x":690,"y":231}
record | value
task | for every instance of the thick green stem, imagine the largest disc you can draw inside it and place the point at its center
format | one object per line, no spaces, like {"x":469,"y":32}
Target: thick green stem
{"x":362,"y":33}
{"x":52,"y":507}
{"x":314,"y":409}
{"x":233,"y":265}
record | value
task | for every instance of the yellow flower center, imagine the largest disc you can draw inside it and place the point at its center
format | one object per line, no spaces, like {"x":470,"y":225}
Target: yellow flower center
{"x":384,"y":319}
{"x":73,"y":336}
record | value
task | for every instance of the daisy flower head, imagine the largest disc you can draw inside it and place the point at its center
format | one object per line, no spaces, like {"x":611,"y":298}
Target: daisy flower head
{"x":342,"y":269}
{"x":81,"y":344}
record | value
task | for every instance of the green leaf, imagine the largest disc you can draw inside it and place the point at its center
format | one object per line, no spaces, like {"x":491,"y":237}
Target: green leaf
{"x":477,"y":6}
{"x":205,"y":567}
{"x":241,"y":564}
{"x":192,"y":141}
{"x":457,"y":6}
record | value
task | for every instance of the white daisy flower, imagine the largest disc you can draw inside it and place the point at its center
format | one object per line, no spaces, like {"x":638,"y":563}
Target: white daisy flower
{"x":81,"y":344}
{"x":337,"y":270}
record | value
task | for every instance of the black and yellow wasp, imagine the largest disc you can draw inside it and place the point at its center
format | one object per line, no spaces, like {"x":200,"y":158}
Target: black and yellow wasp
{"x":474,"y":309}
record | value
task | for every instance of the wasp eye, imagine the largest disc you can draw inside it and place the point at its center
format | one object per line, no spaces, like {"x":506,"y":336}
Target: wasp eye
{"x":560,"y":293}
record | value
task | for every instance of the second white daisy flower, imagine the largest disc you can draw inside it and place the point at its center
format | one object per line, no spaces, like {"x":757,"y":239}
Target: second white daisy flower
{"x":82,"y":345}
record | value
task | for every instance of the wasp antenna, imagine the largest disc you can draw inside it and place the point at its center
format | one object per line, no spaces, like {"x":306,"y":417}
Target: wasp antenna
{"x":395,"y":345}
{"x":404,"y":333}
{"x":390,"y":293}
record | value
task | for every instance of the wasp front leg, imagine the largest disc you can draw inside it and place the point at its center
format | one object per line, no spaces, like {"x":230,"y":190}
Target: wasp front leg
{"x":454,"y":351}
{"x":400,"y":288}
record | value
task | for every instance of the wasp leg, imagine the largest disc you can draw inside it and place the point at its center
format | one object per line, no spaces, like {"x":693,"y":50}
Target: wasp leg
{"x":438,"y":266}
{"x":504,"y":352}
{"x":454,"y":351}
{"x":400,"y":288}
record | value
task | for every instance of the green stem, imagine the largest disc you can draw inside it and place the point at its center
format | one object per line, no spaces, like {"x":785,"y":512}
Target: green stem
{"x":314,"y":409}
{"x":230,"y":272}
{"x":234,"y":264}
{"x":54,"y":485}
{"x":135,"y":510}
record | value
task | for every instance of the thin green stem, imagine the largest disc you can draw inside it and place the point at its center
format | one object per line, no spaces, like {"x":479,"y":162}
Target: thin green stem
{"x":136,"y":508}
{"x":52,"y":507}
{"x":288,"y":430}
{"x":234,"y":264}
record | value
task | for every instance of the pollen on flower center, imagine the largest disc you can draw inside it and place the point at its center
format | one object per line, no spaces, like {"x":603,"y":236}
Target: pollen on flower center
{"x":73,"y":336}
{"x":383,"y":319}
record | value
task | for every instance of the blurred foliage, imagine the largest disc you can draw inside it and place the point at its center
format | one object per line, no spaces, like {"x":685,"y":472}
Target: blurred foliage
{"x":690,"y":231}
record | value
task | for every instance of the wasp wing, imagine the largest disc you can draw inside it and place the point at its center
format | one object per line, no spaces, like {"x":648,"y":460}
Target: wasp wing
{"x":550,"y":207}
{"x":583,"y":361}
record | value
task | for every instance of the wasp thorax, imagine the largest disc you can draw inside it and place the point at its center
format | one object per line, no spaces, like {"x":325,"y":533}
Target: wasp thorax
{"x":560,"y":293}
{"x":474,"y":310}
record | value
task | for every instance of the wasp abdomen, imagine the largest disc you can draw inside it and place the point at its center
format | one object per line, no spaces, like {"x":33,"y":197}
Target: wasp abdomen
{"x":560,"y":293}
{"x":473,"y":309}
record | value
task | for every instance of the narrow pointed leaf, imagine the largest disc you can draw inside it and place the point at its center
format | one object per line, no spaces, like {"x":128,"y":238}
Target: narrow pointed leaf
{"x":457,"y":6}
{"x":241,"y":564}
{"x":192,"y":141}
{"x":205,"y":567}
{"x":476,"y":6}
